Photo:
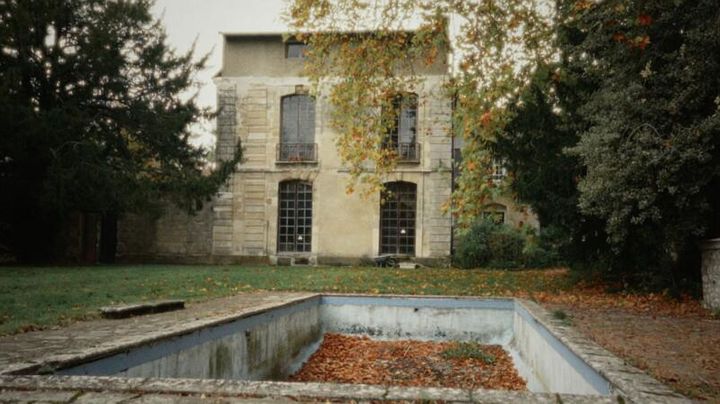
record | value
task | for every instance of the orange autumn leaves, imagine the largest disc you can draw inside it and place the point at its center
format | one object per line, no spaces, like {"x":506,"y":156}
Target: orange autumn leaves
{"x":359,"y":359}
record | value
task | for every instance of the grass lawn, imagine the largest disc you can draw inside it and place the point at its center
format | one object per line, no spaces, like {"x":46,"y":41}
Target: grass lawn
{"x":39,"y":297}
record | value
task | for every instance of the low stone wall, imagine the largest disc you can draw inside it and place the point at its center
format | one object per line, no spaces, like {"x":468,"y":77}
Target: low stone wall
{"x":175,"y":236}
{"x":711,"y":273}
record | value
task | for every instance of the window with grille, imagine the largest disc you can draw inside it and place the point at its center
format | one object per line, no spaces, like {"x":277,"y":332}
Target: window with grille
{"x":397,"y":218}
{"x":295,"y":216}
{"x":297,"y":133}
{"x":499,"y":172}
{"x":402,"y":135}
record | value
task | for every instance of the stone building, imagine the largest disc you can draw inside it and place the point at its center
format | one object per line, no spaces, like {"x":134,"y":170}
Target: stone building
{"x":287,"y":202}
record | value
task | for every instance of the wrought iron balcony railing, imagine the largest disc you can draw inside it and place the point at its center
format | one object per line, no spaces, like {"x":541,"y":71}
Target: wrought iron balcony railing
{"x":297,"y":152}
{"x":407,"y":152}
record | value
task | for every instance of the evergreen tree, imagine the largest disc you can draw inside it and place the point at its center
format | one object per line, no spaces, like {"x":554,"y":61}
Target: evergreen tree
{"x":617,"y":145}
{"x":94,"y":118}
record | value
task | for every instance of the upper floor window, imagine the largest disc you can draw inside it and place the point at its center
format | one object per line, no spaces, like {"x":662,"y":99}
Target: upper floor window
{"x":297,"y":133}
{"x":499,"y":171}
{"x":402,"y":134}
{"x":295,"y":50}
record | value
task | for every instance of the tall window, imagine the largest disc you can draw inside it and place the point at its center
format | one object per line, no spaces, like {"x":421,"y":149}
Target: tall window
{"x":402,"y":135}
{"x":397,"y":218}
{"x":297,"y":134}
{"x":295,"y":216}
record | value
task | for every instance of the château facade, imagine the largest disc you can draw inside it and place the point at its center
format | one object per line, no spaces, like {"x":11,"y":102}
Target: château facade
{"x":287,"y":202}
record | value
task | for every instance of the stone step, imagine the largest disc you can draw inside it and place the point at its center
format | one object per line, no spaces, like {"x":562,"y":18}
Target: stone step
{"x":130,"y":310}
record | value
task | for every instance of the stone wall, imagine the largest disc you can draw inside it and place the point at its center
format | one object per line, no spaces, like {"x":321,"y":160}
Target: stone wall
{"x":711,"y":273}
{"x":175,"y":236}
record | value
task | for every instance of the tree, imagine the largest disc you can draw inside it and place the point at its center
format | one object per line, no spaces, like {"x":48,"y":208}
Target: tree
{"x":634,"y":100}
{"x":94,"y":117}
{"x":651,"y":148}
{"x":362,"y":55}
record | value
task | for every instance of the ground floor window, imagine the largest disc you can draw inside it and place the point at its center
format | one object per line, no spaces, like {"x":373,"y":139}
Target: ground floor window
{"x":295,"y":216}
{"x":397,"y":218}
{"x":495,"y":212}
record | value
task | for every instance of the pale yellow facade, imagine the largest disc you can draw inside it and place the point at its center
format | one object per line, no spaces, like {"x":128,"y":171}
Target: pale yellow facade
{"x":242,"y":222}
{"x":345,"y":227}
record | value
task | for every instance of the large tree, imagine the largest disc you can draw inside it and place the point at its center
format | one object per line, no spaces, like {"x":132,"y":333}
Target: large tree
{"x":617,"y":144}
{"x":651,"y":150}
{"x":95,"y":110}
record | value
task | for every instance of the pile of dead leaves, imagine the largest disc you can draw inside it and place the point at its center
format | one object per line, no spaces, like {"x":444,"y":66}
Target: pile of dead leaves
{"x":359,"y":359}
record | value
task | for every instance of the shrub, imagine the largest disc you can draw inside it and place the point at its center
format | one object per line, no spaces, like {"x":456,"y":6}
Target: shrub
{"x":473,"y":248}
{"x":506,"y":247}
{"x":486,"y":243}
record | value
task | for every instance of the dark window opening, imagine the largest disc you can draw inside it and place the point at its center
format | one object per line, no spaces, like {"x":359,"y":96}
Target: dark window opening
{"x":402,"y":134}
{"x":297,"y":133}
{"x":397,"y":218}
{"x":295,"y":217}
{"x":295,"y":50}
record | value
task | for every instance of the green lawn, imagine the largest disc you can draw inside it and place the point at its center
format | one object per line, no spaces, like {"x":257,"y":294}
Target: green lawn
{"x":37,"y":297}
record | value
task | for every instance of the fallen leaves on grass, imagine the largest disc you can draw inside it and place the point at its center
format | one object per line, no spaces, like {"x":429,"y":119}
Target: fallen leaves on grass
{"x":596,"y":296}
{"x":359,"y":359}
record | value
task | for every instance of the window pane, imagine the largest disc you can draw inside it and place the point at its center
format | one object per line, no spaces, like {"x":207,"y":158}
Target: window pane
{"x":397,"y":219}
{"x":295,"y":50}
{"x":295,"y":217}
{"x":298,"y":120}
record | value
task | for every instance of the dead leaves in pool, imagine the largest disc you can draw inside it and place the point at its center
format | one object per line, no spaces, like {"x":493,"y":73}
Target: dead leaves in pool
{"x":359,"y":359}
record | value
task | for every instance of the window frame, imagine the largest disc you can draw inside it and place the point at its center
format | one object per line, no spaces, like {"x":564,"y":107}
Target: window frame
{"x":301,"y":55}
{"x":300,"y":146}
{"x":292,"y":222}
{"x":399,"y":243}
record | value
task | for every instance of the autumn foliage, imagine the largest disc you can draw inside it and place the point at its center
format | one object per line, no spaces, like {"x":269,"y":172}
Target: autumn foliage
{"x":359,"y":359}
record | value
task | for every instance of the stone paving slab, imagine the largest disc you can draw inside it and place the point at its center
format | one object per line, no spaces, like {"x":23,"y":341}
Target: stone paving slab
{"x":36,"y":351}
{"x":131,"y":310}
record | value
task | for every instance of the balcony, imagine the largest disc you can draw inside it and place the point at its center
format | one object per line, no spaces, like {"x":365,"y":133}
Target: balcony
{"x":297,"y":153}
{"x":407,"y":152}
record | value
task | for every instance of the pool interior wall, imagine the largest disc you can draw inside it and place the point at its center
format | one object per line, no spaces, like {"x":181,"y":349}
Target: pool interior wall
{"x":272,"y":344}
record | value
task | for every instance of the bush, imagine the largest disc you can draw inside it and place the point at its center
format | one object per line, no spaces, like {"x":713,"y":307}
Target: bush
{"x":473,"y":248}
{"x":486,"y":243}
{"x":506,"y":247}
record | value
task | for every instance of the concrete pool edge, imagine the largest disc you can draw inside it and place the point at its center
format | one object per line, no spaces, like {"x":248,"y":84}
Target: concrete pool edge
{"x":62,"y":360}
{"x":626,"y":381}
{"x":218,"y":389}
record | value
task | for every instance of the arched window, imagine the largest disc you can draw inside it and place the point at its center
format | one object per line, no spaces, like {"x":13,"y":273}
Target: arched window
{"x":297,"y":128}
{"x":397,"y":218}
{"x":294,"y":216}
{"x":402,"y":134}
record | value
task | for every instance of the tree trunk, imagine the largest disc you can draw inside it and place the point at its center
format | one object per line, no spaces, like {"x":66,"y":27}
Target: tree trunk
{"x":108,"y":238}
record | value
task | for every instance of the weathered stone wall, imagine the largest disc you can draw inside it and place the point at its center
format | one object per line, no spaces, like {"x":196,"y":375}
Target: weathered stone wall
{"x":711,"y":273}
{"x":345,"y":227}
{"x":175,"y":236}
